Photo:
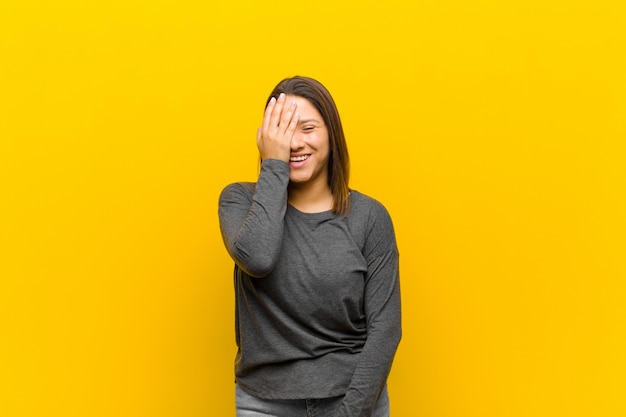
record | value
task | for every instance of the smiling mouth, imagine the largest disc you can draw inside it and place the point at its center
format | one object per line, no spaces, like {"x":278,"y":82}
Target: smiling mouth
{"x":299,"y":158}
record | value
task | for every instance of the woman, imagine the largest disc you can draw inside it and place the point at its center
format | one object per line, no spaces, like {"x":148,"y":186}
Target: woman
{"x":316,"y":270}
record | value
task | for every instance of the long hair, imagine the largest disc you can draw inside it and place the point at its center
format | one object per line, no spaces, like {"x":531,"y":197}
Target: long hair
{"x":338,"y":161}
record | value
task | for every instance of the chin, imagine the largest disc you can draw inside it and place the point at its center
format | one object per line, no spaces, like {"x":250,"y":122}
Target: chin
{"x":297,"y":180}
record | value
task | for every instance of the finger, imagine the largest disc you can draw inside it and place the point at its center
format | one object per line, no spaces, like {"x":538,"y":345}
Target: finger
{"x":293,"y":124}
{"x":287,"y":116}
{"x":268,"y":114}
{"x":277,"y":110}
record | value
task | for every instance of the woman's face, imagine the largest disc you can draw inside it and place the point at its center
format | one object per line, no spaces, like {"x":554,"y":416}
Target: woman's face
{"x":309,"y":146}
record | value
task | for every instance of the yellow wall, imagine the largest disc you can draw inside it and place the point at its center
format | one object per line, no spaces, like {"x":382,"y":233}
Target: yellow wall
{"x":493,"y":131}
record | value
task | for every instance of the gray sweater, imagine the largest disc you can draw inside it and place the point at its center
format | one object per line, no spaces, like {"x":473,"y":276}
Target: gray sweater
{"x":317,"y":294}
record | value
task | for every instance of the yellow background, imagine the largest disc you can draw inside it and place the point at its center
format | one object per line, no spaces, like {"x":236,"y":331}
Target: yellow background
{"x":493,"y":131}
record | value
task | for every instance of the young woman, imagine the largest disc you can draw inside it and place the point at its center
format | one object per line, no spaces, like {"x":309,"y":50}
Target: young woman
{"x":316,"y":270}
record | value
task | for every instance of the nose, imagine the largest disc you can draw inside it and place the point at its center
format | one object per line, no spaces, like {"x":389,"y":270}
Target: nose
{"x":296,"y":142}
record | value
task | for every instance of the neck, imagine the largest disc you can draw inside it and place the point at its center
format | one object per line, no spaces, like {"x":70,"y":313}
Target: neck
{"x":311,"y":198}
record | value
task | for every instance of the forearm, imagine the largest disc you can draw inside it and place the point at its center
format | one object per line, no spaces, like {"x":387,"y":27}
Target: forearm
{"x":370,"y":375}
{"x":253,"y":229}
{"x":383,"y":312}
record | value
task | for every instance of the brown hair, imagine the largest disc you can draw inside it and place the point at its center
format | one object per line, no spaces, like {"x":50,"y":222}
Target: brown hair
{"x":338,"y":161}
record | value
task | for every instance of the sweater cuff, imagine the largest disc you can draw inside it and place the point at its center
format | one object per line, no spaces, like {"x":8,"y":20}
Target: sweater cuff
{"x":275,"y":164}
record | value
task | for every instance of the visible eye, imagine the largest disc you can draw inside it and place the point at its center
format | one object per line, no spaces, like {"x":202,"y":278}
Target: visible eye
{"x":308,"y":128}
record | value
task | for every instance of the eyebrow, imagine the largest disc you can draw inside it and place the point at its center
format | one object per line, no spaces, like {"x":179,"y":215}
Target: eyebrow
{"x":308,"y":121}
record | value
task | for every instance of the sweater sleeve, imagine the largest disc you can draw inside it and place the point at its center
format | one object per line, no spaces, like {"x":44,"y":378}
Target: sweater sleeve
{"x":252,"y":223}
{"x":383,"y":318}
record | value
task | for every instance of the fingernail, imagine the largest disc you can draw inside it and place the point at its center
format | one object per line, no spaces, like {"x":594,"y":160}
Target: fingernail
{"x":293,"y":104}
{"x":273,"y":99}
{"x":281,"y":96}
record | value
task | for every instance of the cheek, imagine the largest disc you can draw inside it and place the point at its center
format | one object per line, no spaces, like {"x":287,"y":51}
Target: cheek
{"x":324,"y":143}
{"x":323,"y":149}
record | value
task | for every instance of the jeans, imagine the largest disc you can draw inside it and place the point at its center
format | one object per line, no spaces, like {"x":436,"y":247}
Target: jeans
{"x":250,"y":406}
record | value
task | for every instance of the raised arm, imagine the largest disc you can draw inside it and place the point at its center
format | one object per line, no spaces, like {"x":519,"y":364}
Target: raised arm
{"x":252,"y":218}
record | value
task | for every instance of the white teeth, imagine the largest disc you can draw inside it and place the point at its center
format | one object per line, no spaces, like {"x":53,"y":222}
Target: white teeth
{"x":298,"y":158}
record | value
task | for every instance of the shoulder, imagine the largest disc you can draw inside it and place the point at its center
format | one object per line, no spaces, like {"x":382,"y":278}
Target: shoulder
{"x":370,"y":224}
{"x":237,"y":191}
{"x":364,"y":207}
